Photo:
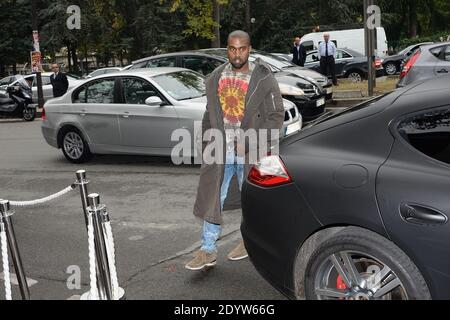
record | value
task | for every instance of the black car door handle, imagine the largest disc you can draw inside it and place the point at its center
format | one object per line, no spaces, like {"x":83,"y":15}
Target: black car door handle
{"x":418,"y":214}
{"x":443,"y":71}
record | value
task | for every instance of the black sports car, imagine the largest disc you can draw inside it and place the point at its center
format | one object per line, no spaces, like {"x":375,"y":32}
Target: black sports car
{"x":356,"y":206}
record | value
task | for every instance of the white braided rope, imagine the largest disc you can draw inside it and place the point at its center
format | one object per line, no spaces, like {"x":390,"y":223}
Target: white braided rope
{"x":6,"y":273}
{"x":92,"y":262}
{"x":43,"y":200}
{"x":111,"y":251}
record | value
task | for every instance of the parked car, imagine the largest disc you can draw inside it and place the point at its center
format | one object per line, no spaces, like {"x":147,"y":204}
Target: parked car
{"x":393,"y":64}
{"x":132,"y":112}
{"x":47,"y":87}
{"x":101,"y":71}
{"x":357,"y":205}
{"x":427,"y":62}
{"x":349,"y":64}
{"x":308,"y":95}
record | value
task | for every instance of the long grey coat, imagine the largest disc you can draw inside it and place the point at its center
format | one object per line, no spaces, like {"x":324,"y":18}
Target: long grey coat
{"x":263,"y":110}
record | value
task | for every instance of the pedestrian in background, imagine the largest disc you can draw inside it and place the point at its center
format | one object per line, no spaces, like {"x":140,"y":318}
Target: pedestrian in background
{"x":327,"y":56}
{"x":59,"y":81}
{"x":298,"y":53}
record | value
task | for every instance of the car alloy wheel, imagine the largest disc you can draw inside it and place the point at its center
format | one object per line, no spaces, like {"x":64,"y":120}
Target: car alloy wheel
{"x":357,"y":276}
{"x":74,"y":147}
{"x":355,"y":77}
{"x":391,"y":69}
{"x":358,"y":264}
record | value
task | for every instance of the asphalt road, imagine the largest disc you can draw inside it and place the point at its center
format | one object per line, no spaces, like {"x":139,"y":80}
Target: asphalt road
{"x":150,"y":202}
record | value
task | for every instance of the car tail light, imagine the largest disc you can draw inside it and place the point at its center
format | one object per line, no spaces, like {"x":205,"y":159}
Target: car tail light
{"x":269,"y":172}
{"x":378,"y":63}
{"x":43,"y":116}
{"x":409,"y":64}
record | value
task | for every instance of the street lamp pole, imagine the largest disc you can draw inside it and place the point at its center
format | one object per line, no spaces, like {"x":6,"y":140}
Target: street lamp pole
{"x":34,"y":17}
{"x":369,"y":33}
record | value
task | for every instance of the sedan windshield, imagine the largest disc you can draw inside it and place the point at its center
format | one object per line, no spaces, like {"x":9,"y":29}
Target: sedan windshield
{"x":182,"y":85}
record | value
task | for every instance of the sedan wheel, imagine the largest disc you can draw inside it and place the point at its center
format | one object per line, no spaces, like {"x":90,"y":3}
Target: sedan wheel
{"x":357,"y":276}
{"x":74,"y":147}
{"x":391,"y":69}
{"x":355,"y":76}
{"x":357,"y":264}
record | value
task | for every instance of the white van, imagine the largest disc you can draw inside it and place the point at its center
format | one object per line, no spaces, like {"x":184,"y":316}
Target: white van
{"x":352,"y":39}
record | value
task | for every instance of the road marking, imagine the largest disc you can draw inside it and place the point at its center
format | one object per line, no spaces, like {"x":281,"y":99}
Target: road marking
{"x":15,"y":282}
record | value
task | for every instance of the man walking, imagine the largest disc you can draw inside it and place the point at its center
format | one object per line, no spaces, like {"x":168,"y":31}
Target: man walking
{"x":59,"y":81}
{"x":240,"y":95}
{"x":298,"y":53}
{"x":327,"y":56}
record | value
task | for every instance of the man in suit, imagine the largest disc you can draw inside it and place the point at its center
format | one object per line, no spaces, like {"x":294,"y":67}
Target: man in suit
{"x":327,"y":56}
{"x":298,"y":53}
{"x":59,"y":81}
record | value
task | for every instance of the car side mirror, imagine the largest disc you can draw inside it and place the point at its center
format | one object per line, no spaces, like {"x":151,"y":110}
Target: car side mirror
{"x":153,"y":101}
{"x":315,"y":57}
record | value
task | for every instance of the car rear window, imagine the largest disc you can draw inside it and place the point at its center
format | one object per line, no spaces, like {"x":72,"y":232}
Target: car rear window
{"x":429,"y":133}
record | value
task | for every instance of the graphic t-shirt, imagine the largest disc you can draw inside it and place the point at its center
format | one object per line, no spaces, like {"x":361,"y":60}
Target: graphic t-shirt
{"x":232,"y":91}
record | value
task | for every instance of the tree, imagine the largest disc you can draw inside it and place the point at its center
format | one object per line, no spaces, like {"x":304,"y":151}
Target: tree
{"x":15,"y":38}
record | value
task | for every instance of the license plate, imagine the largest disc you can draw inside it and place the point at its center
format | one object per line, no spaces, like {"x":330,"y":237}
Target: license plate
{"x":321,"y":102}
{"x":329,"y":90}
{"x":293,"y":128}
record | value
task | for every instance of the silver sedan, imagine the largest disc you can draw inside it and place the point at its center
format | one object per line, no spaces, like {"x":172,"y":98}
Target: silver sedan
{"x":132,"y":112}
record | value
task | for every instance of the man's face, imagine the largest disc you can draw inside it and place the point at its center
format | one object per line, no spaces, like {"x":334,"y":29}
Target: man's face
{"x":238,"y":52}
{"x":326,"y":37}
{"x":55,"y":68}
{"x":297,"y":41}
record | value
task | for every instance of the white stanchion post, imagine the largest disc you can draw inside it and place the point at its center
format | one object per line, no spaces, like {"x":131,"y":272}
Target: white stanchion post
{"x":6,"y":213}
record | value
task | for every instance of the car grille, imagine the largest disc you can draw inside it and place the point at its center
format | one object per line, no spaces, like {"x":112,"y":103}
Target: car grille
{"x":291,"y":115}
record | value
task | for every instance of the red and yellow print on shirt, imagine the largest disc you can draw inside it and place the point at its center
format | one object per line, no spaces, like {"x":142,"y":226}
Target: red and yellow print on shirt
{"x":232,"y":92}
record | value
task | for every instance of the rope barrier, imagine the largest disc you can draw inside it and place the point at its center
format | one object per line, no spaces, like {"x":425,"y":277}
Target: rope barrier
{"x":92,"y":261}
{"x":43,"y":200}
{"x":103,"y":274}
{"x":5,"y":260}
{"x":111,"y":251}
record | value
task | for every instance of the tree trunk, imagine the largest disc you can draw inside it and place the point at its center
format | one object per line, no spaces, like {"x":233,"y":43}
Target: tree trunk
{"x":69,"y":57}
{"x":248,"y":23}
{"x":14,"y":68}
{"x":413,"y":18}
{"x":215,"y":43}
{"x":76,"y":69}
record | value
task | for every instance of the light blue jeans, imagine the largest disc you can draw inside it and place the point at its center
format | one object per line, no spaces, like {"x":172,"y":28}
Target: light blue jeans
{"x":212,"y":232}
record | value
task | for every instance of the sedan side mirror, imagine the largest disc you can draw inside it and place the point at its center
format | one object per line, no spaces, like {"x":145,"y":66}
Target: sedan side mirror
{"x":315,"y":57}
{"x":153,"y":101}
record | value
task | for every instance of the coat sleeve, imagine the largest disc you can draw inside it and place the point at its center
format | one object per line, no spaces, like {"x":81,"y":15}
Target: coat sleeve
{"x":303,"y":54}
{"x":206,"y":125}
{"x":274,"y":112}
{"x":65,"y":82}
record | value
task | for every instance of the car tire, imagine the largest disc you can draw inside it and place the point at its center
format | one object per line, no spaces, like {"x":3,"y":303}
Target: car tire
{"x":355,"y":75}
{"x":29,"y":114}
{"x":391,"y":69}
{"x":382,"y":269}
{"x":74,"y":146}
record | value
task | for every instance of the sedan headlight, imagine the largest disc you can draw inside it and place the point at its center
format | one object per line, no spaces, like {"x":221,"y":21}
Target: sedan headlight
{"x":287,"y":90}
